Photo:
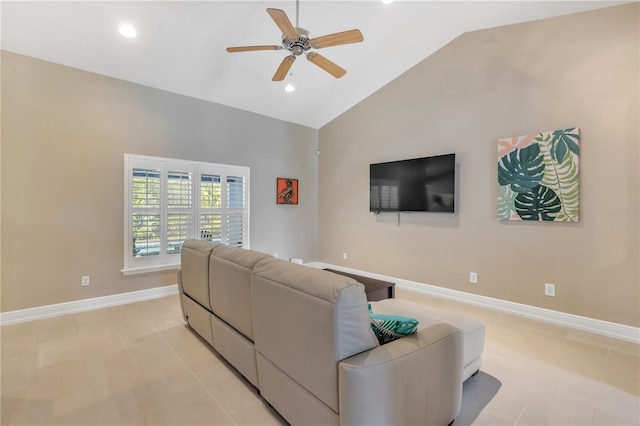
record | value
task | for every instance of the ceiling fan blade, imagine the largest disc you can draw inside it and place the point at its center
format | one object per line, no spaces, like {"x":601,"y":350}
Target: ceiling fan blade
{"x":336,"y":39}
{"x":283,"y":22}
{"x":330,"y":67}
{"x":284,"y":68}
{"x":252,"y":48}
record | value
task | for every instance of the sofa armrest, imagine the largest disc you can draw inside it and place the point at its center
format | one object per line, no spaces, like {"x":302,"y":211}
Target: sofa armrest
{"x":414,"y":380}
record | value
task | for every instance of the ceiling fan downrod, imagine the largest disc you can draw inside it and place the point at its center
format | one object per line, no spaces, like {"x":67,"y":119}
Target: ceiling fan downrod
{"x":299,"y":45}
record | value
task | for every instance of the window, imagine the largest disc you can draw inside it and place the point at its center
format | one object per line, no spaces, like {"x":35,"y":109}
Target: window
{"x":168,"y":201}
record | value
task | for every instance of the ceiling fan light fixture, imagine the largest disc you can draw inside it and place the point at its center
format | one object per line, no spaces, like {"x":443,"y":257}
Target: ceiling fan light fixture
{"x":298,"y":41}
{"x":387,"y":1}
{"x":127,"y":31}
{"x":289,"y":87}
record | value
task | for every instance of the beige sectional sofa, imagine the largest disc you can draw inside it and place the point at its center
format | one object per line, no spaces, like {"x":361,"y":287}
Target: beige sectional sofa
{"x":302,"y":337}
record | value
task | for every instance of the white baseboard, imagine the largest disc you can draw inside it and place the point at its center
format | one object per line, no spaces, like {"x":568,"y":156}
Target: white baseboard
{"x":40,"y":312}
{"x":591,"y":325}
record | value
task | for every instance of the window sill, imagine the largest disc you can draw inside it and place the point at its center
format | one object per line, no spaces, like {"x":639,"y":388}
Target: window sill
{"x":146,"y":269}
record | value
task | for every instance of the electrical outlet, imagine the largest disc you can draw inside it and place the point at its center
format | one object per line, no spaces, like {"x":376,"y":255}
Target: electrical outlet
{"x":549,"y":289}
{"x":344,"y":255}
{"x":85,"y":280}
{"x":473,"y":277}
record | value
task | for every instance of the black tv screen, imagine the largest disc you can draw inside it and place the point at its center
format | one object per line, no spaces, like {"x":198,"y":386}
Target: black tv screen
{"x":417,"y":185}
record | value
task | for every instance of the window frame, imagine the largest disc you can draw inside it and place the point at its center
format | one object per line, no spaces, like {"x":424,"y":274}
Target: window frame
{"x":166,"y":260}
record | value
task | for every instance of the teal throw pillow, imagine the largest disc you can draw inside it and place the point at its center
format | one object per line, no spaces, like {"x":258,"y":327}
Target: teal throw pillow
{"x":391,"y":327}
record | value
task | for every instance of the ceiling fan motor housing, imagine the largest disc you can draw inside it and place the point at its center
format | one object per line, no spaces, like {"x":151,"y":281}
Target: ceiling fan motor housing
{"x":298,"y":45}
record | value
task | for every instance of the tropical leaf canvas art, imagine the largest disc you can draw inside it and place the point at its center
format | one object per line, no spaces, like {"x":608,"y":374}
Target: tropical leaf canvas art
{"x":538,"y":176}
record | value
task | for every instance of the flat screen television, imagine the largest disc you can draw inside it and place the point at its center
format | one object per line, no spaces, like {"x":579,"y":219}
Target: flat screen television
{"x":417,"y":185}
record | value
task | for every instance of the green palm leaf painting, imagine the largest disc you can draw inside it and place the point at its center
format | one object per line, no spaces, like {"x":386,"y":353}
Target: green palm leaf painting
{"x":506,"y":198}
{"x":564,"y":141}
{"x":522,"y":169}
{"x":538,"y":176}
{"x":539,"y":204}
{"x":563,"y":179}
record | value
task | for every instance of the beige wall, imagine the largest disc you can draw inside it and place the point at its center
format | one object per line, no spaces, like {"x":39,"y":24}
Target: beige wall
{"x":580,"y":70}
{"x":64,"y":135}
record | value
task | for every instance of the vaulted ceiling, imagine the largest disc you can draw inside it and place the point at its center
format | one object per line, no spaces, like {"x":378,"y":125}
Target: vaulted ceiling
{"x":180,"y":45}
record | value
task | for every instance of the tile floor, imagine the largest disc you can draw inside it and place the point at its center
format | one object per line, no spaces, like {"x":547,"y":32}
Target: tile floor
{"x":138,"y":364}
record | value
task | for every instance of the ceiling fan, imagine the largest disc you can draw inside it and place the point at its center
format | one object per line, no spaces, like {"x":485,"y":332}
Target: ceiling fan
{"x":298,"y":41}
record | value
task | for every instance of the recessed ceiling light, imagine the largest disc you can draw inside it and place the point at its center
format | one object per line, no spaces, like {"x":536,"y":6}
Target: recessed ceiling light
{"x":289,"y":87}
{"x":128,"y":31}
{"x":387,"y":1}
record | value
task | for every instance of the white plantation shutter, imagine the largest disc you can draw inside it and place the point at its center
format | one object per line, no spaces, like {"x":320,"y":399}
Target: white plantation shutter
{"x":235,"y":214}
{"x":179,"y":209}
{"x":146,"y":234}
{"x":224,"y":204}
{"x":168,"y":201}
{"x":179,"y":229}
{"x":210,"y":207}
{"x":235,"y":229}
{"x":235,"y":192}
{"x":211,"y":227}
{"x":146,"y":208}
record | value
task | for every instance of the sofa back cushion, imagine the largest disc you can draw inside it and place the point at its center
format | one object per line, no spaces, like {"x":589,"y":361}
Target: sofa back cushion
{"x":230,"y":286}
{"x":194,"y":259}
{"x":306,"y":320}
